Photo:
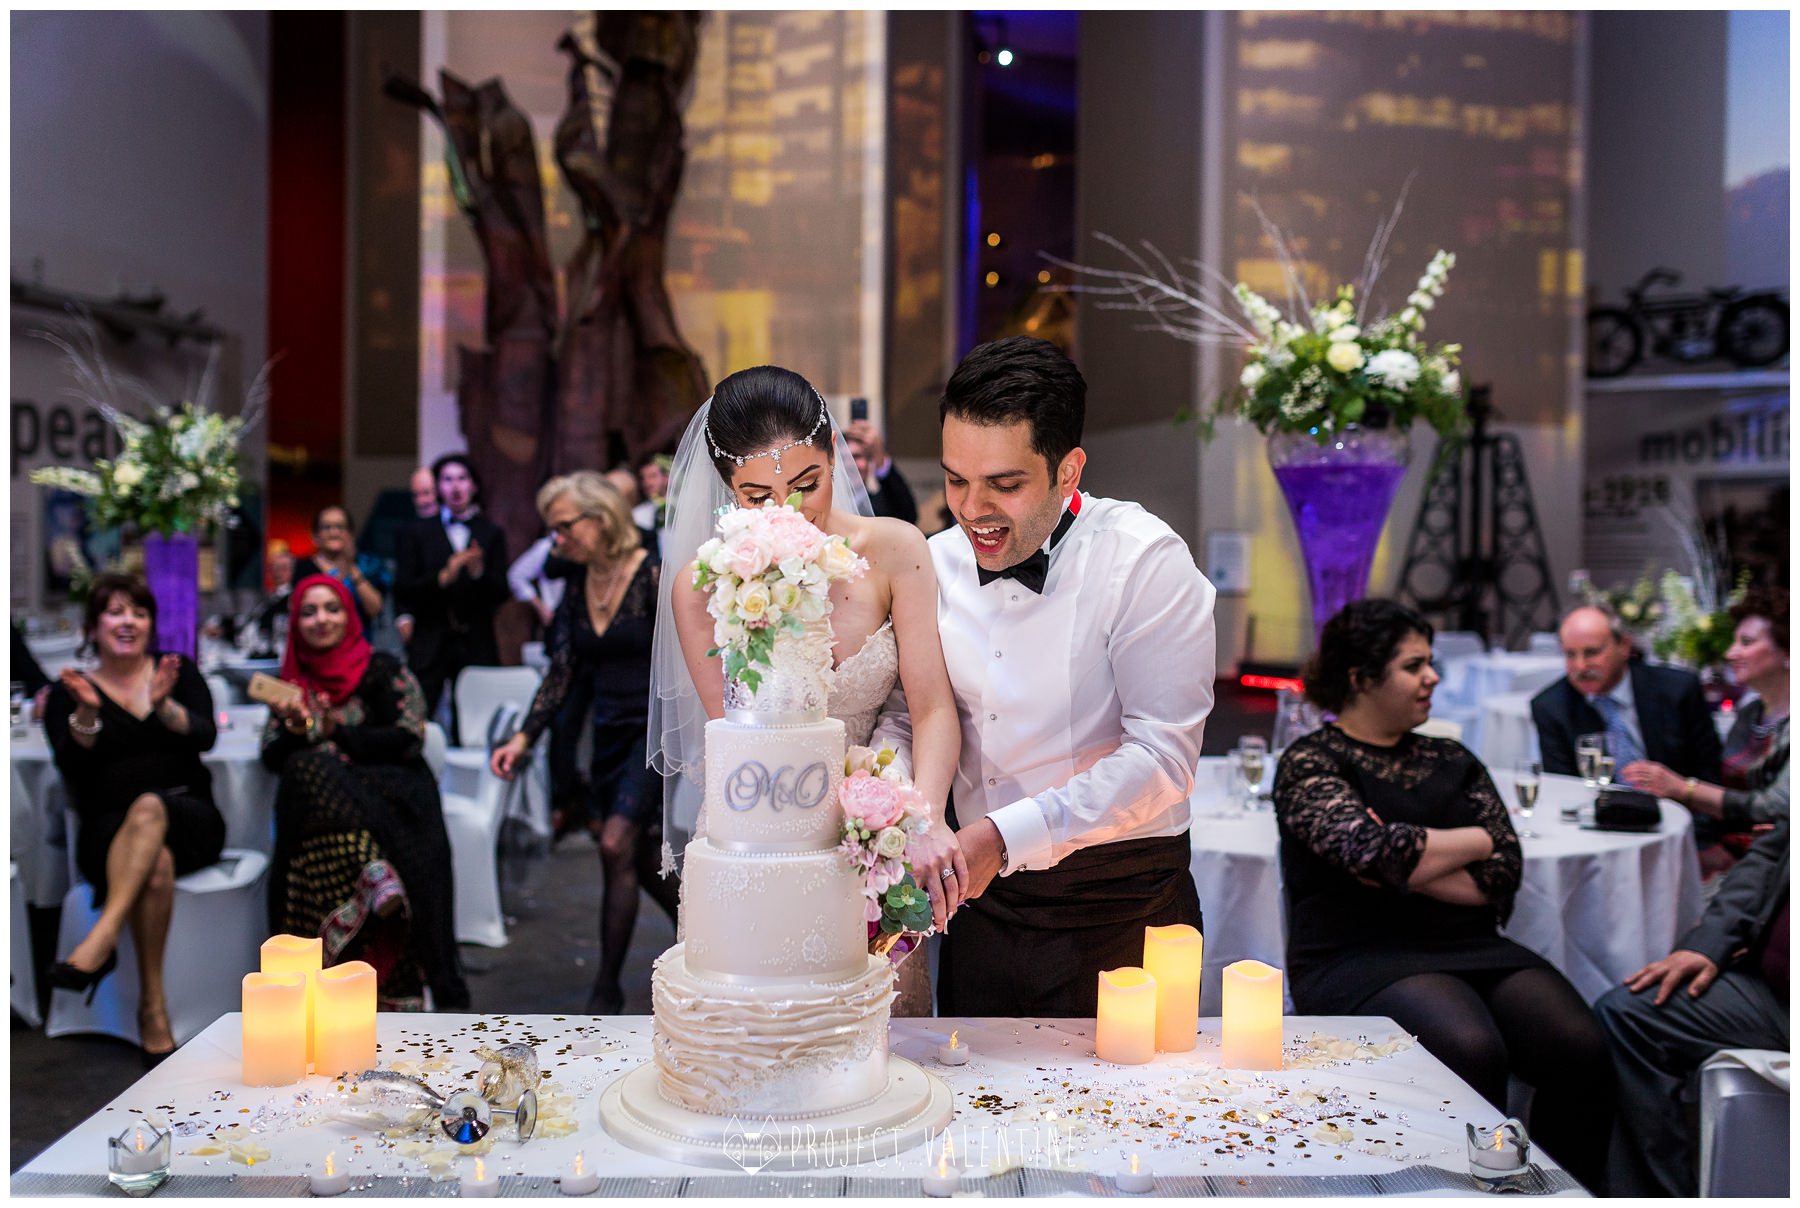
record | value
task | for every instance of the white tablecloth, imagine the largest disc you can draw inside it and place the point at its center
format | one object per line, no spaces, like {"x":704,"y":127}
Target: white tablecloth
{"x":1046,"y":1102}
{"x":1507,"y":736}
{"x":54,"y":651}
{"x":242,"y":788}
{"x":1596,"y":905}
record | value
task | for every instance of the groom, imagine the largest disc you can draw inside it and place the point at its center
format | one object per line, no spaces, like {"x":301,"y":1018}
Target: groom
{"x":1080,"y":642}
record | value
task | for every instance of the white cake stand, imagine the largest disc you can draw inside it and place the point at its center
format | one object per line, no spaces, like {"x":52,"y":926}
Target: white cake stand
{"x":915,"y":1107}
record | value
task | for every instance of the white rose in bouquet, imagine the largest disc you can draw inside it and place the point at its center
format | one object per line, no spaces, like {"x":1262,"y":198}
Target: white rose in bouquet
{"x":1344,"y":357}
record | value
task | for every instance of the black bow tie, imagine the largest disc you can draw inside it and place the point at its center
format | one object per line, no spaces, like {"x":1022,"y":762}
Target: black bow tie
{"x":1032,"y":572}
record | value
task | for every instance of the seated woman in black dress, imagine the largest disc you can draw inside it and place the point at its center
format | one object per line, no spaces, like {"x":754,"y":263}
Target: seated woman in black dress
{"x":361,"y":855}
{"x":1399,"y":865}
{"x":128,"y":737}
{"x":601,"y":635}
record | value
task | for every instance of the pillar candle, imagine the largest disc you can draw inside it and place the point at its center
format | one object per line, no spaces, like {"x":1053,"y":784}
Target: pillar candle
{"x":344,"y":1019}
{"x":1125,"y":1030}
{"x":297,"y":954}
{"x":1172,"y":957}
{"x":1252,"y":1022}
{"x":274,"y":1028}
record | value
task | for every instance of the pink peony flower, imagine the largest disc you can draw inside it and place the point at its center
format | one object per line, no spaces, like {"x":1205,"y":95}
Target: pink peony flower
{"x":873,"y":803}
{"x":749,"y":555}
{"x":793,"y":535}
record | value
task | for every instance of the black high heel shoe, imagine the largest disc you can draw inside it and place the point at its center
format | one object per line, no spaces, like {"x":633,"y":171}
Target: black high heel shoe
{"x":64,"y":976}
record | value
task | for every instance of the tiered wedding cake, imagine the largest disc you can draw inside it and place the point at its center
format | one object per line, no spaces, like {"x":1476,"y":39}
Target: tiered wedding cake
{"x":771,"y":1017}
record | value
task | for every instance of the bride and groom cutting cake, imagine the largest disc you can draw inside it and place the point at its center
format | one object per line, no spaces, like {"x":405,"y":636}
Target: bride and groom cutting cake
{"x":1044,"y":669}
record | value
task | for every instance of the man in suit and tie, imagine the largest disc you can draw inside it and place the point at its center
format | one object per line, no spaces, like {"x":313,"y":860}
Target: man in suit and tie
{"x":450,"y":575}
{"x":1725,"y":986}
{"x":1646,"y":712}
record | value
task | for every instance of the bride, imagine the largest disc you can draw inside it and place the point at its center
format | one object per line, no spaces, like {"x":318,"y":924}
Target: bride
{"x":767,"y":434}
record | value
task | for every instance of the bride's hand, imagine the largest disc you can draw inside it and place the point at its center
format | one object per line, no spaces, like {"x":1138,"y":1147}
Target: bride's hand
{"x":939,"y":868}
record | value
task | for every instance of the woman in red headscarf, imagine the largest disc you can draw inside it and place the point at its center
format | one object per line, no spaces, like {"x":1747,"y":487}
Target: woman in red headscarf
{"x":361,"y":855}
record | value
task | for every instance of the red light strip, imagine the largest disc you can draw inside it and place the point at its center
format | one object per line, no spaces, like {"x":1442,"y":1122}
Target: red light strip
{"x":1273,"y":683}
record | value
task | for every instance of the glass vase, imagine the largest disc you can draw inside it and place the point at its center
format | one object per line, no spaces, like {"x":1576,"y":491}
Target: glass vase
{"x":172,"y":570}
{"x":1339,"y":494}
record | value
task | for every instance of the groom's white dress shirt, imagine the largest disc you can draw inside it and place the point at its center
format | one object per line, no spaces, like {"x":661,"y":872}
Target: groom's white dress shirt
{"x":1083,"y":708}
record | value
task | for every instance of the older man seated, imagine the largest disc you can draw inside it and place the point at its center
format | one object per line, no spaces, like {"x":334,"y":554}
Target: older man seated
{"x":1646,"y":712}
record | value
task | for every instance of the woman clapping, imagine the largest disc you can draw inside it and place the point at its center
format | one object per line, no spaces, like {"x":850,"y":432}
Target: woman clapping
{"x":128,"y":736}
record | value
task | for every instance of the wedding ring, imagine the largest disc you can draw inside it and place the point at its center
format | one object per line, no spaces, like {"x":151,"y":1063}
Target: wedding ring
{"x":945,"y":873}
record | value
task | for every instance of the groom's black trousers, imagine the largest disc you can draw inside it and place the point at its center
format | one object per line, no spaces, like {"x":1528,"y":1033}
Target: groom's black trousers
{"x":1036,"y":942}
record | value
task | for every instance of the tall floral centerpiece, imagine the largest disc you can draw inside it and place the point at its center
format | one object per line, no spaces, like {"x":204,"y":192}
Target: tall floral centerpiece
{"x":1333,"y":388}
{"x":1336,"y":396}
{"x":176,"y":476}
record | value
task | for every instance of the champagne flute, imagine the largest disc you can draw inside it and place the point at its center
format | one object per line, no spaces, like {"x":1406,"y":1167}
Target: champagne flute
{"x":1603,"y":771}
{"x":1525,"y":785}
{"x":1252,"y":752}
{"x":1589,"y":750}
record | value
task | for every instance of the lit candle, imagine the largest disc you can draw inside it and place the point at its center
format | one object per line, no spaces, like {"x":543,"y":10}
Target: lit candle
{"x":138,"y":1151}
{"x":953,"y":1053}
{"x":297,"y":954}
{"x":481,"y":1185}
{"x":344,"y":1019}
{"x":1134,"y":1177}
{"x":1125,"y":1029}
{"x":1172,"y":957}
{"x":274,"y":1028}
{"x":1252,"y":1017}
{"x":331,"y":1180}
{"x":1500,"y":1155}
{"x":578,"y":1180}
{"x":943,"y":1180}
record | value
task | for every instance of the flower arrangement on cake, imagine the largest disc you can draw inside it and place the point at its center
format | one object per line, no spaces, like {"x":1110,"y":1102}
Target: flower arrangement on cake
{"x":768,"y":571}
{"x":885,"y":819}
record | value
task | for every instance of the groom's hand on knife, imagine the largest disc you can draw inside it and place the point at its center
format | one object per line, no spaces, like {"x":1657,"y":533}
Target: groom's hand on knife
{"x":981,"y":850}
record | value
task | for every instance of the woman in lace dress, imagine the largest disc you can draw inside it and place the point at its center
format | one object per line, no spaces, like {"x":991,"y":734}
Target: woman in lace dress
{"x":1399,"y":864}
{"x":768,"y":436}
{"x":602,"y":634}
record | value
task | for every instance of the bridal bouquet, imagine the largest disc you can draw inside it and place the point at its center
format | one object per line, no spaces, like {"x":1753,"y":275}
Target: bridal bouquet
{"x":885,"y":819}
{"x":769,"y":570}
{"x":1321,"y":371}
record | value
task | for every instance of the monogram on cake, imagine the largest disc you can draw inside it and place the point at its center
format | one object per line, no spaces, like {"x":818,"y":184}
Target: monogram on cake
{"x":772,"y":1012}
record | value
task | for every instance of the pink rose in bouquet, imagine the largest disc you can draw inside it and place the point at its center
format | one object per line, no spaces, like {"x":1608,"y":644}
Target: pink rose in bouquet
{"x":871,"y":802}
{"x":748,"y":554}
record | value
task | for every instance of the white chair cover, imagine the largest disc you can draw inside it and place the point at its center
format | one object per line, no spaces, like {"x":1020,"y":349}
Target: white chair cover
{"x":482,"y":690}
{"x":1744,"y":1124}
{"x":473,"y":822}
{"x":24,"y":977}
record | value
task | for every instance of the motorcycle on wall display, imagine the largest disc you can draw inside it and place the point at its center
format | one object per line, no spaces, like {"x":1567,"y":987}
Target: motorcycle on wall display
{"x":1748,"y":328}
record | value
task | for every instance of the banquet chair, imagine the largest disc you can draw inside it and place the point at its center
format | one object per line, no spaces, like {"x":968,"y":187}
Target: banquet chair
{"x":473,"y":823}
{"x":216,"y":930}
{"x":1440,"y":727}
{"x":1457,"y":644}
{"x":1744,"y":1124}
{"x":481,"y":690}
{"x":24,"y":977}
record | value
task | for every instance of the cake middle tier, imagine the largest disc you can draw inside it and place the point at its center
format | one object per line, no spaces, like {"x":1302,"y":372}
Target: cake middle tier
{"x":774,"y":788}
{"x":772,"y":915}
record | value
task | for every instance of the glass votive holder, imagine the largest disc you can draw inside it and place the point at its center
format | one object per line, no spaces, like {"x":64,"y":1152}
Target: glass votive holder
{"x":137,"y":1160}
{"x":1500,"y":1157}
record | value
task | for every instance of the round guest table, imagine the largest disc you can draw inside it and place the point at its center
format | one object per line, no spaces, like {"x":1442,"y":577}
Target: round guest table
{"x":1595,"y":904}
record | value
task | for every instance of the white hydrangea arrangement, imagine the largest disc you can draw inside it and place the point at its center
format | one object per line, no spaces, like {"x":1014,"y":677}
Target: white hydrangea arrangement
{"x":1331,"y":370}
{"x":177,"y":471}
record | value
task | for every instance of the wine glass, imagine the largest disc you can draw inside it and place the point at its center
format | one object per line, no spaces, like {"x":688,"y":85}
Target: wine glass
{"x":1590,"y":749}
{"x":16,"y":697}
{"x":1603,"y":770}
{"x":1525,"y":785}
{"x":1252,"y":757}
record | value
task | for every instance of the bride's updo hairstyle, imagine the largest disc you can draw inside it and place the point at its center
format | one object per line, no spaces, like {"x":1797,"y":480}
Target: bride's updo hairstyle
{"x":1358,"y":643}
{"x":755,"y":410}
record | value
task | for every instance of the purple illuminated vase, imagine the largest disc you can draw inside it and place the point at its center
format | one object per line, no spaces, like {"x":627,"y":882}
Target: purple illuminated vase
{"x":172,"y":570}
{"x":1339,"y":494}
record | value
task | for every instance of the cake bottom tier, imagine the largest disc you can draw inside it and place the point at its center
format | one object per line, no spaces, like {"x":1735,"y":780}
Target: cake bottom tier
{"x":783,"y":1051}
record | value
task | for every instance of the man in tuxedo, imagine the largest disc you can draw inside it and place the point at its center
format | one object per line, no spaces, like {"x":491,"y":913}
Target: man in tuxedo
{"x":1646,"y":712}
{"x":1080,"y":640}
{"x":450,"y":575}
{"x":1724,"y":987}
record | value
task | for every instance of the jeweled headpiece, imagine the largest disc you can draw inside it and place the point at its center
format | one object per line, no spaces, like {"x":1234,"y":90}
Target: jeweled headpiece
{"x":775,"y":452}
